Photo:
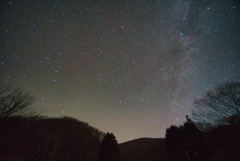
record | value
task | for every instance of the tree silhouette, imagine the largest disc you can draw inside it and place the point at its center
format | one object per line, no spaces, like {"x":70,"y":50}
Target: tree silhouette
{"x":174,"y":143}
{"x":109,"y":150}
{"x":186,"y":143}
{"x":13,"y":101}
{"x":220,"y":106}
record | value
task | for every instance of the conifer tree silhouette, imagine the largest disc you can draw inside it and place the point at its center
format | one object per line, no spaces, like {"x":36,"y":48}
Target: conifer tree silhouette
{"x":109,"y":150}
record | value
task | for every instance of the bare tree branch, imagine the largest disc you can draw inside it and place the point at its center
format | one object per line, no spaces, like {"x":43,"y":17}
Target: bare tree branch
{"x":220,"y":106}
{"x":13,"y":101}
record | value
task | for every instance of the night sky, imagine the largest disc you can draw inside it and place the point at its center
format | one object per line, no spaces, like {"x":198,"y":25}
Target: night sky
{"x":129,"y":67}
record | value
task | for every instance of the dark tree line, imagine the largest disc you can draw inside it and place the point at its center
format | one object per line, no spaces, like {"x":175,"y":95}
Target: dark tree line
{"x":215,"y":127}
{"x":14,"y":101}
{"x":186,"y":143}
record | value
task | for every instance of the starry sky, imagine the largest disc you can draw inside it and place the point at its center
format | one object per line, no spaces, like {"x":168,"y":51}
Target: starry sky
{"x":129,"y":67}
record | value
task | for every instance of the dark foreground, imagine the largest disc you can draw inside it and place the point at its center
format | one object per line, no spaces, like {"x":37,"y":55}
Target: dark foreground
{"x":67,"y":139}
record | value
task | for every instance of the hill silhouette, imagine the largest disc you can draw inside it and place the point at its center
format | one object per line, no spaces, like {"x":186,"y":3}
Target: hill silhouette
{"x":42,"y":139}
{"x":143,"y":149}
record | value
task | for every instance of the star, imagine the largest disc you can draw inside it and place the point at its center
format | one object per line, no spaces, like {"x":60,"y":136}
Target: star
{"x":133,"y":59}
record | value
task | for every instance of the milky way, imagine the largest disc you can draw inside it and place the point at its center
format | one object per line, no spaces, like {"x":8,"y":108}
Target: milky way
{"x":129,"y":67}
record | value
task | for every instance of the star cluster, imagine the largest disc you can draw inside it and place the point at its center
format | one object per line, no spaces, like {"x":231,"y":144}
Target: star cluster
{"x":129,"y":67}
